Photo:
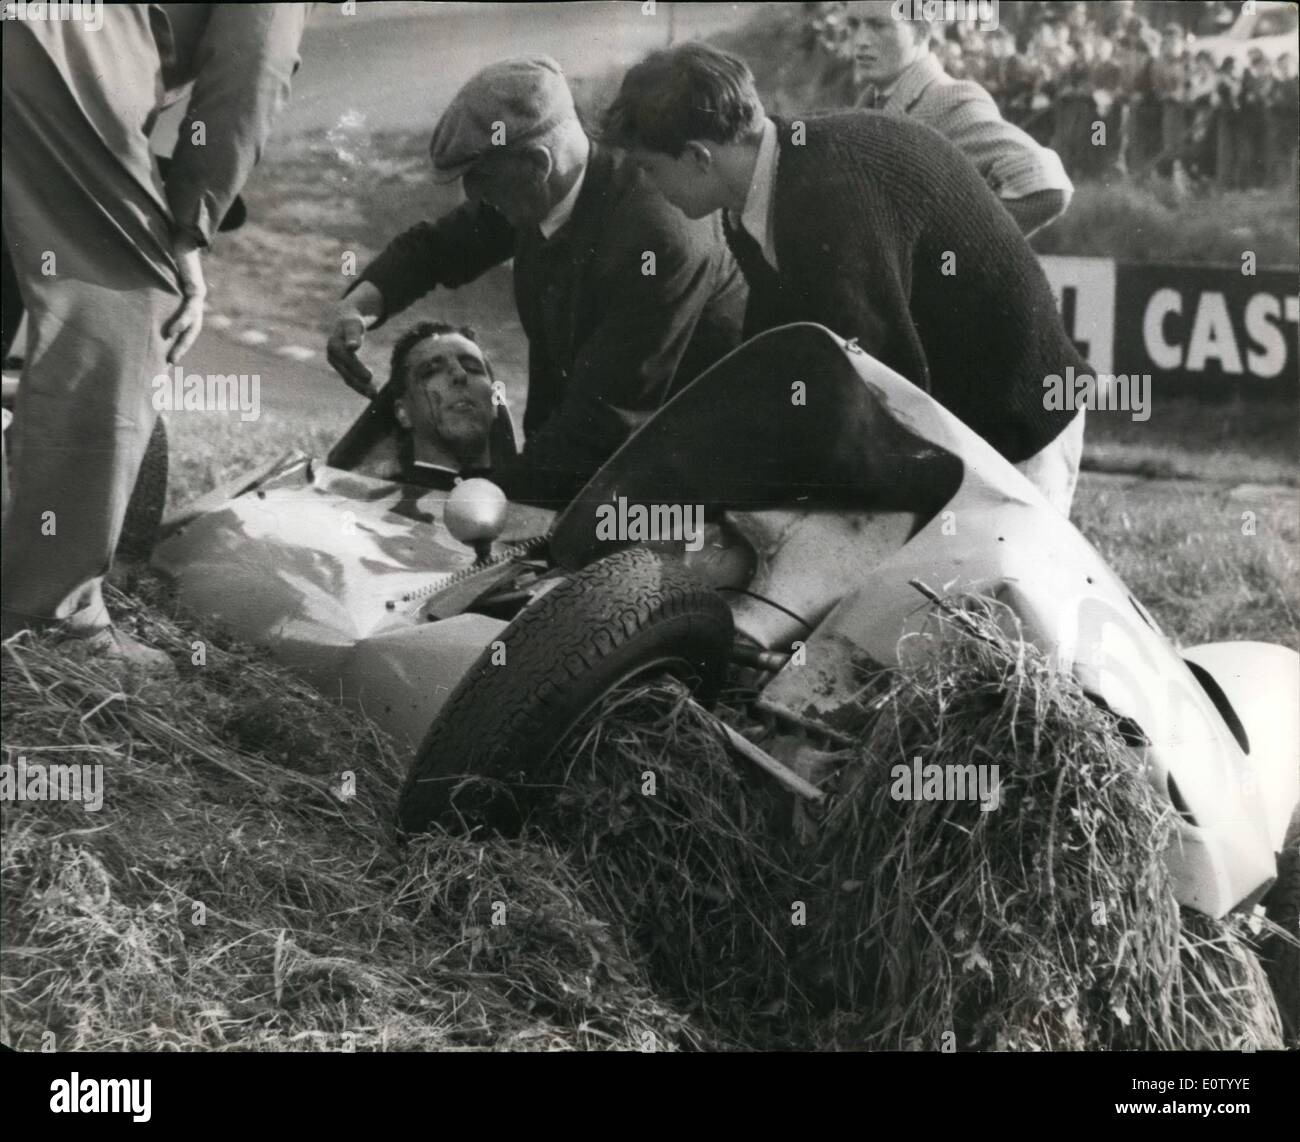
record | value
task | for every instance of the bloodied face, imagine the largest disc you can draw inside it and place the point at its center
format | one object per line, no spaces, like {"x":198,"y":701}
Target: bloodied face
{"x":447,"y":397}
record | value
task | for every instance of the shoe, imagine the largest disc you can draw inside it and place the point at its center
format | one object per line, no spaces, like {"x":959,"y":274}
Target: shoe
{"x":111,"y":647}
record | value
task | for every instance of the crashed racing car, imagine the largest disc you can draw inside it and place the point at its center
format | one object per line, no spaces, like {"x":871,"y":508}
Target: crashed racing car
{"x":733,"y":527}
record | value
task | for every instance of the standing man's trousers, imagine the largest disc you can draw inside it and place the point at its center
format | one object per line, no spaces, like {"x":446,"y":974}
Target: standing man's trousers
{"x":89,"y":232}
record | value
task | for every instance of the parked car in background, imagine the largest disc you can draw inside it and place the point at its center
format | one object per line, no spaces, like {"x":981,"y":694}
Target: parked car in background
{"x":1272,"y":28}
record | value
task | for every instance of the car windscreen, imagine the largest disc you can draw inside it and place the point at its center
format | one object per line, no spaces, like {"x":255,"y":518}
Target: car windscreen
{"x":787,"y":420}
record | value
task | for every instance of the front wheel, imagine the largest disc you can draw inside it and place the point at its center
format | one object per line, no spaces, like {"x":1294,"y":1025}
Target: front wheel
{"x":631,"y":615}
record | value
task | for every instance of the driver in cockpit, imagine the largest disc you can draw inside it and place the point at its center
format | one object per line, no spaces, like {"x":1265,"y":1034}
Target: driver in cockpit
{"x":443,"y":400}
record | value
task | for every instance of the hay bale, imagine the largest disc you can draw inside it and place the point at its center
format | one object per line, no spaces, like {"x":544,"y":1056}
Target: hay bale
{"x":689,"y":853}
{"x":1046,"y":924}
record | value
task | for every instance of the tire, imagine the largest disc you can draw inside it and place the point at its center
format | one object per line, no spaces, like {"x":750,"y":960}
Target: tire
{"x":1282,"y":957}
{"x":144,"y":512}
{"x":484,"y":759}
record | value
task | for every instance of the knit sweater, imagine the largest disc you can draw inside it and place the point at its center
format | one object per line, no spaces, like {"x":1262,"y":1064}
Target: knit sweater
{"x":885,"y":233}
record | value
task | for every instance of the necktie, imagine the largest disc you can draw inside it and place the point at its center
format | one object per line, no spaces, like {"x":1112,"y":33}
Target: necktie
{"x":743,"y":244}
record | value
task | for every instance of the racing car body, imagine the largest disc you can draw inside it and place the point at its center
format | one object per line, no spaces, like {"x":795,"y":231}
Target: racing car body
{"x":829,"y":487}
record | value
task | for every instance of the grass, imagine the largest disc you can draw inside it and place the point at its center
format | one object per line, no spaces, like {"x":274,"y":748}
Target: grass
{"x":329,"y":196}
{"x":1152,"y":223}
{"x":1185,"y":551}
{"x":241,"y":887}
{"x":233,"y":893}
{"x":1226,"y":442}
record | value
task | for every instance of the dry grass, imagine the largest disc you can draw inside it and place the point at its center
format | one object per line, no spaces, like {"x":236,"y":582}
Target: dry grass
{"x":230,"y":895}
{"x":1048,"y":923}
{"x":241,"y":888}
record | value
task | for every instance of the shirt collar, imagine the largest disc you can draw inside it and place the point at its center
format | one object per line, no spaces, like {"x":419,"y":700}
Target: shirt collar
{"x":916,"y":78}
{"x":562,"y":211}
{"x":756,"y":218}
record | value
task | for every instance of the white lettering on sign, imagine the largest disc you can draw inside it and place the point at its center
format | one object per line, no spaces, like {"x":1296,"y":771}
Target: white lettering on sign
{"x":1211,"y":338}
{"x":1163,"y":353}
{"x":1084,"y":289}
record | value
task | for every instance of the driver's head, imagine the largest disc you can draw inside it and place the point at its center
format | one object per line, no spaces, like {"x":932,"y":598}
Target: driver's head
{"x":442,"y":388}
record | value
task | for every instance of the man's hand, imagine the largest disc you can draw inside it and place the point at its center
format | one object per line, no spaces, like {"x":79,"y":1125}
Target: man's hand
{"x":185,"y":326}
{"x":352,"y":316}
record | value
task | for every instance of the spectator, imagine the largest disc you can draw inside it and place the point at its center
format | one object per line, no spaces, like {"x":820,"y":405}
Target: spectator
{"x":1201,"y":152}
{"x":902,"y":77}
{"x":1256,"y":97}
{"x":1107,"y":78}
{"x":1227,"y":123}
{"x":607,"y":343}
{"x":1056,"y":69}
{"x":1076,"y":111}
{"x":1142,"y":121}
{"x":1169,"y":81}
{"x":1284,"y":118}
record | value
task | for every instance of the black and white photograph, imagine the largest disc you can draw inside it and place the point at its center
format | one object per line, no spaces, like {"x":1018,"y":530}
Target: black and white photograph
{"x":633,"y":528}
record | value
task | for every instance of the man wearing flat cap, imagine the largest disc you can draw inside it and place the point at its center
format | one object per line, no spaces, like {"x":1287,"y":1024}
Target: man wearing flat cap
{"x":623,"y":299}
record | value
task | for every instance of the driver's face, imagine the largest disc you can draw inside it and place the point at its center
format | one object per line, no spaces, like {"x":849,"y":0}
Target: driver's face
{"x":448,"y":397}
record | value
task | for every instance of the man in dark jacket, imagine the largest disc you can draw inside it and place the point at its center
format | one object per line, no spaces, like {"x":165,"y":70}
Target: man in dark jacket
{"x":876,"y":227}
{"x":622,"y":299}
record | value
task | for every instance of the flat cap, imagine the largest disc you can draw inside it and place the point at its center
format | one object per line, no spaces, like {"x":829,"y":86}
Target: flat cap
{"x":504,"y":104}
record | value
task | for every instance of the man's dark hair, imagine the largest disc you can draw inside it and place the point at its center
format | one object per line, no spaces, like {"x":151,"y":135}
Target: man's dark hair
{"x":688,"y":92}
{"x":409,"y":340}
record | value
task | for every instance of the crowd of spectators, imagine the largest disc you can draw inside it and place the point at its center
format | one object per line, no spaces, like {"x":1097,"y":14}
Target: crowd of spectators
{"x":1165,"y":106}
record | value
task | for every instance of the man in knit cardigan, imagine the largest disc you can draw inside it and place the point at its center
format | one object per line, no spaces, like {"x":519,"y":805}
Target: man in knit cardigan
{"x":876,"y":227}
